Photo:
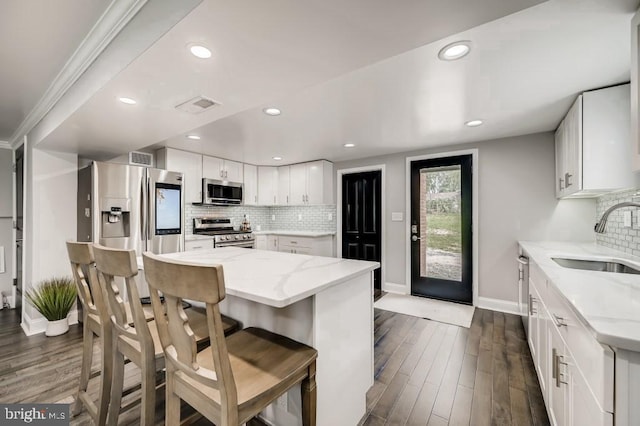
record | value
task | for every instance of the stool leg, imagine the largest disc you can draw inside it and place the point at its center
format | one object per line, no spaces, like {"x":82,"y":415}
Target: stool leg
{"x":309,"y":396}
{"x":106,"y":375}
{"x":148,"y":402}
{"x":172,"y":401}
{"x":85,"y":371}
{"x":116,"y":386}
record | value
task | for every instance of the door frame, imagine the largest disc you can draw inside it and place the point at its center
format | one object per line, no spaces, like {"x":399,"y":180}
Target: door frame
{"x":474,"y":214}
{"x":383,"y":253}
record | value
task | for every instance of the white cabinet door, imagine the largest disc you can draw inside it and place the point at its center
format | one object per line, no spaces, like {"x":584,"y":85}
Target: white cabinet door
{"x":635,"y":91}
{"x":190,"y":165}
{"x":212,"y":167}
{"x":250,"y":195}
{"x":573,"y":150}
{"x":560,"y":137}
{"x":272,"y":242}
{"x":267,"y":185}
{"x":261,"y":242}
{"x":233,"y":171}
{"x":298,"y":183}
{"x":583,"y":407}
{"x":283,"y":185}
{"x":558,"y":390}
{"x":316,"y":183}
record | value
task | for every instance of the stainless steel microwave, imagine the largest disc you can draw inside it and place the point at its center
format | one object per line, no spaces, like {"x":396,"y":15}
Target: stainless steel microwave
{"x":219,"y":192}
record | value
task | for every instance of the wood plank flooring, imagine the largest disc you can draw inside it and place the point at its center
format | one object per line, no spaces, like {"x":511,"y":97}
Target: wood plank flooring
{"x":426,"y":373}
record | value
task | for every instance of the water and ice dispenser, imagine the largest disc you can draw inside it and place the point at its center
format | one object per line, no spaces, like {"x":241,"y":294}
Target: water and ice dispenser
{"x":115,"y":217}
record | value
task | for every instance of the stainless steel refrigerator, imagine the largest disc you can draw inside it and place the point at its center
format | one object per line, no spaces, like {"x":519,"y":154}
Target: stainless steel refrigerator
{"x":131,"y":207}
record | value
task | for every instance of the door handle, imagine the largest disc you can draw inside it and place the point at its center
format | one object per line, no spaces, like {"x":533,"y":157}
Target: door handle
{"x":415,"y":238}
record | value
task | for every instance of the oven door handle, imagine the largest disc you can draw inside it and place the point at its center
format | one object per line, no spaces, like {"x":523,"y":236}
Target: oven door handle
{"x":247,"y":244}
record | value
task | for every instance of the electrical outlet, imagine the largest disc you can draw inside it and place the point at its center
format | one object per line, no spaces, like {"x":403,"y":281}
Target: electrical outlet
{"x":273,"y":217}
{"x":330,"y":217}
{"x":299,"y":217}
{"x":626,"y":219}
{"x":282,"y":402}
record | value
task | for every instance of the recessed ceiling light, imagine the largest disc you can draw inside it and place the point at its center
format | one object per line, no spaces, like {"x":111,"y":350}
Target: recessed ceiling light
{"x":474,"y":123}
{"x":277,"y":158}
{"x":455,"y":50}
{"x":272,"y":111}
{"x":193,"y":137}
{"x":200,"y":51}
{"x":349,"y":145}
{"x":127,"y":101}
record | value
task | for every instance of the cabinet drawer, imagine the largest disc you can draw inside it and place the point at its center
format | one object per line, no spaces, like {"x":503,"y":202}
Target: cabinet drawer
{"x":295,"y":249}
{"x":595,"y":361}
{"x":198,"y":245}
{"x":295,"y":241}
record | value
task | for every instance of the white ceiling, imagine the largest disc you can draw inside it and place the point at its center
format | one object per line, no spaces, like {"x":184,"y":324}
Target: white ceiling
{"x":36,"y":39}
{"x":355,"y":72}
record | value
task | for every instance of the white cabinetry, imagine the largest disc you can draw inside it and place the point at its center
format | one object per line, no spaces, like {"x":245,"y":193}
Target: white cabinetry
{"x":593,"y":143}
{"x":284,"y":180}
{"x":311,"y":183}
{"x":635,"y":91}
{"x":190,"y":165}
{"x":200,"y":244}
{"x":217,"y":168}
{"x":267,"y":185}
{"x":250,"y":195}
{"x":314,"y":246}
{"x":576,"y":373}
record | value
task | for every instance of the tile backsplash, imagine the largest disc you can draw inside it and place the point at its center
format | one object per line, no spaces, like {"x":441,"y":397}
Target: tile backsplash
{"x":297,"y":218}
{"x":617,"y":236}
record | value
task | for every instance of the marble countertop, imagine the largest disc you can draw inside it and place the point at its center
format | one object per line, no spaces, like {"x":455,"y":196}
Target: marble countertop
{"x":296,"y":233}
{"x":607,"y":302}
{"x":274,"y":278}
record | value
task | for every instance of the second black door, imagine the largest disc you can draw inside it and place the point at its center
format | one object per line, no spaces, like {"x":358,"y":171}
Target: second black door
{"x":361,"y":219}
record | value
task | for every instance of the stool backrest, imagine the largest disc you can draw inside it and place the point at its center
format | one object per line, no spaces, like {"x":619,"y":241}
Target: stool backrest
{"x":118,"y":263}
{"x":181,"y":280}
{"x":83,"y":268}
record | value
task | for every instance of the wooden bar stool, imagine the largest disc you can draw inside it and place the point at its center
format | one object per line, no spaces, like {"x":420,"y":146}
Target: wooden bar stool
{"x":94,"y":319}
{"x":236,"y":377}
{"x":138,"y":341}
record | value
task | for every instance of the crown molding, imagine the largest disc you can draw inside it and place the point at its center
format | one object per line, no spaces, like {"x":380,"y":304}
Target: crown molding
{"x":112,"y":21}
{"x":5,"y":145}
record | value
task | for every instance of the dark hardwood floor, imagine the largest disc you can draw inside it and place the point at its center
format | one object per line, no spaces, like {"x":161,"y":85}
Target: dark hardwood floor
{"x":426,"y":373}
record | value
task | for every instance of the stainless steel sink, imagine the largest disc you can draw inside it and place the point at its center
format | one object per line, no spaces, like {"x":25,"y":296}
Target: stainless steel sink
{"x":596,"y":265}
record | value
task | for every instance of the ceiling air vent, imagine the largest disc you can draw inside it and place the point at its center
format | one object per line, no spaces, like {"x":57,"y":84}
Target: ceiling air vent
{"x":141,"y":159}
{"x":197,"y":105}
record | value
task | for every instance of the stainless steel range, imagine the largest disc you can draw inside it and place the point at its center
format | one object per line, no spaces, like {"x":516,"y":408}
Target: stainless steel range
{"x":223,"y":233}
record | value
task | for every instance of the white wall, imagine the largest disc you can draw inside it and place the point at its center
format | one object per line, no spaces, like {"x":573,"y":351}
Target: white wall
{"x":50,"y":220}
{"x":6,"y":219}
{"x":516,"y":202}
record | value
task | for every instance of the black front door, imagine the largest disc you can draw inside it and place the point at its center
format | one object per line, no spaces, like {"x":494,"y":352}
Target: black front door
{"x":441,"y":228}
{"x":361,"y":219}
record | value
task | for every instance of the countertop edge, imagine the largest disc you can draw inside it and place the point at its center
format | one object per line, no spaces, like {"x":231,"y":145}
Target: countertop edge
{"x":614,"y":341}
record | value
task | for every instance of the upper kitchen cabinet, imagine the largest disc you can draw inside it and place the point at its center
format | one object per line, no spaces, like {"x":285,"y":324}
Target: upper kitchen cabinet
{"x":189,"y":164}
{"x":635,"y":91}
{"x":310,"y":183}
{"x":592,"y":145}
{"x":217,"y":168}
{"x":284,"y":184}
{"x":267,"y":185}
{"x":250,"y":195}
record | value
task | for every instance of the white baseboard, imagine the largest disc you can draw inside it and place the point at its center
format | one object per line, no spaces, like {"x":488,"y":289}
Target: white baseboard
{"x":499,"y":305}
{"x":394,"y":288}
{"x":32,"y":326}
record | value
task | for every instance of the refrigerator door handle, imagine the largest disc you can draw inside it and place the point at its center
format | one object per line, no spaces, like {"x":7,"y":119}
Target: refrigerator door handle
{"x":148,"y":214}
{"x":143,"y":215}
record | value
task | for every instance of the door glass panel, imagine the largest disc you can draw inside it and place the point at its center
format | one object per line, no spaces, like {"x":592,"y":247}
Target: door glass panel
{"x":440,"y":223}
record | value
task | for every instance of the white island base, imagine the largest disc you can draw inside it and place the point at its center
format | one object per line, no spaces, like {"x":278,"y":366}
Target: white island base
{"x":324,"y":302}
{"x":338,"y":322}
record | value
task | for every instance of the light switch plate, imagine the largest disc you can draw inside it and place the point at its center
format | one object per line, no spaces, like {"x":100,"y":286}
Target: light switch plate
{"x":397,"y":216}
{"x":626,"y":218}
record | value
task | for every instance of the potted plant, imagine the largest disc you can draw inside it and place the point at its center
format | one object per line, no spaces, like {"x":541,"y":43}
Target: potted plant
{"x":54,"y":298}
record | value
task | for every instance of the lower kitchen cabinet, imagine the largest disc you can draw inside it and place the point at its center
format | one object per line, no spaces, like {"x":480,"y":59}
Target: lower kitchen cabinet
{"x":576,"y":373}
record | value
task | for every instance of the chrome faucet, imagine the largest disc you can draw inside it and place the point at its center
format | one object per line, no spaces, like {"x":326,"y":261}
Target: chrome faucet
{"x":599,"y":228}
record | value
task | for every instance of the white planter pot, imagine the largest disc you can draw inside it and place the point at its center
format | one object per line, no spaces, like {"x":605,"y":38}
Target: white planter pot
{"x":56,"y":328}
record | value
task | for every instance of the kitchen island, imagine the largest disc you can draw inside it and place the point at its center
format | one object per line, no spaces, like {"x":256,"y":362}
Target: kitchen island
{"x":324,"y":302}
